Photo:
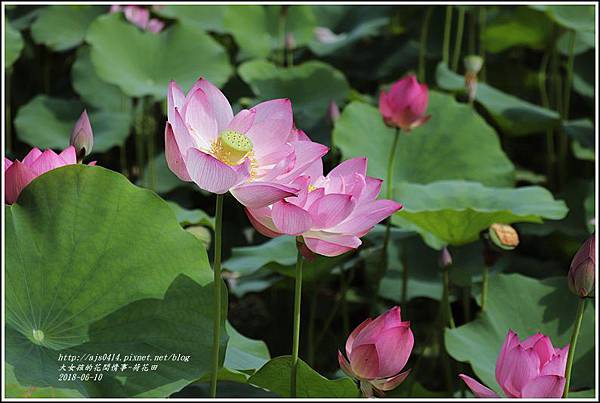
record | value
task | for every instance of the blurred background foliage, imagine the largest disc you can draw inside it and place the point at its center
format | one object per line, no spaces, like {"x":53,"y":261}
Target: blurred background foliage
{"x":532,"y":122}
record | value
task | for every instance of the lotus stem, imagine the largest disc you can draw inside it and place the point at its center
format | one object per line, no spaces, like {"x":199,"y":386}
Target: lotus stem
{"x":446,"y":298}
{"x":466,"y":300}
{"x":123,"y":159}
{"x":423,"y":43}
{"x":296,"y":333}
{"x":217,"y":295}
{"x":482,"y":21}
{"x":550,"y":152}
{"x":8,"y":112}
{"x":572,"y":345}
{"x":458,"y":40}
{"x":484,"y":288}
{"x":447,"y":28}
{"x":404,"y":278}
{"x":564,"y":143}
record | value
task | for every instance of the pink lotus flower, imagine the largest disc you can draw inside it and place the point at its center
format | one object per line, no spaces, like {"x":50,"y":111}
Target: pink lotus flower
{"x":532,"y":368}
{"x":139,"y":16}
{"x":252,"y":154}
{"x":18,"y":174}
{"x":582,"y":273}
{"x":377,"y":351}
{"x":405,"y":104}
{"x":330,"y":213}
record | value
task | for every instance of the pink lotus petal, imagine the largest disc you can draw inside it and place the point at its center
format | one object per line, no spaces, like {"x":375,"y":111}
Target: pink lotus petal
{"x":330,"y":210}
{"x":557,"y":364}
{"x":185,"y":139}
{"x":213,"y":175}
{"x":392,"y":382}
{"x":522,"y":365}
{"x":477,"y":388}
{"x":544,"y":349}
{"x":46,"y":162}
{"x":510,"y":341}
{"x":261,"y":194}
{"x":68,"y":156}
{"x":31,"y":156}
{"x":330,"y":244}
{"x":137,"y":15}
{"x":365,"y":217}
{"x":175,"y":99}
{"x":394,"y":347}
{"x":349,"y":168}
{"x":242,"y":122}
{"x":272,"y":125}
{"x":306,"y":153}
{"x":364,"y":361}
{"x":155,"y":25}
{"x":345,"y":365}
{"x":262,"y":222}
{"x":199,"y":117}
{"x":7,"y":163}
{"x":218,"y":102}
{"x":82,"y":136}
{"x":355,"y":333}
{"x":290,"y":219}
{"x":547,"y":386}
{"x":16,"y":178}
{"x":173,"y":155}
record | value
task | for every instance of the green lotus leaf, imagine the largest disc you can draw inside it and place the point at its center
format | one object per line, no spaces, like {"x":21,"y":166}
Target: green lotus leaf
{"x":14,"y":44}
{"x":74,"y":263}
{"x":93,"y":90}
{"x":64,"y":27}
{"x":526,"y":306}
{"x":519,"y":26}
{"x":513,"y":115}
{"x":275,"y":376}
{"x":455,"y":212}
{"x":311,"y":86}
{"x":47,"y":122}
{"x":456,"y":143}
{"x":576,"y":17}
{"x":142,"y":63}
{"x":206,"y":17}
{"x":191,"y":217}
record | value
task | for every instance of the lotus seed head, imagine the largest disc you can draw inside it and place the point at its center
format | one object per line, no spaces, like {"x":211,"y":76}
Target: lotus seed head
{"x":232,"y":147}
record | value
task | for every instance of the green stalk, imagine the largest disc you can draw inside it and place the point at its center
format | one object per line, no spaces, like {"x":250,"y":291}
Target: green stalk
{"x":423,"y":43}
{"x":8,"y":112}
{"x":446,"y":299}
{"x":281,"y":23}
{"x":482,"y":20}
{"x":139,"y":137}
{"x":466,"y":300}
{"x":564,"y":141}
{"x":345,"y":318}
{"x":311,"y":328}
{"x":151,"y":131}
{"x":484,"y":287}
{"x":217,"y":295}
{"x":123,"y":159}
{"x":550,"y":152}
{"x":572,"y":345}
{"x":447,"y":28}
{"x":458,"y":40}
{"x":472,"y":33}
{"x":296,"y":333}
{"x":404,"y":277}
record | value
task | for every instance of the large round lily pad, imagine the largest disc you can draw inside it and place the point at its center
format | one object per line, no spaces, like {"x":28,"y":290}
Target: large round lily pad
{"x":74,"y":264}
{"x":526,"y":306}
{"x":455,"y":212}
{"x":206,"y":17}
{"x":47,"y":122}
{"x":142,"y":63}
{"x":64,"y":27}
{"x":455,"y":143}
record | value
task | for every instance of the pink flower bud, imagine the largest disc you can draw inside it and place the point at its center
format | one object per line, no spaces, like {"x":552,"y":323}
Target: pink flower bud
{"x":532,"y":368}
{"x":155,"y":25}
{"x":404,"y":105}
{"x":582,"y":273}
{"x":290,"y":41}
{"x":377,"y":350}
{"x":82,"y":137}
{"x":445,"y":258}
{"x":334,"y":111}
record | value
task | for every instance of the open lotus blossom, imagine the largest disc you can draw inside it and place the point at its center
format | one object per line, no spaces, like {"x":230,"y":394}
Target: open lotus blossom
{"x":404,"y":105}
{"x":139,"y":16}
{"x":532,"y":368}
{"x":252,"y":154}
{"x":376,"y":351}
{"x":18,"y":174}
{"x":330,"y":212}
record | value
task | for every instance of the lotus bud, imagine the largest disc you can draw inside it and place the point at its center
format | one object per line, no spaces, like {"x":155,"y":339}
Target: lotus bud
{"x":377,"y":351}
{"x":473,"y":64}
{"x":325,"y":35}
{"x":445,"y":258}
{"x":405,"y":104}
{"x":155,"y":25}
{"x":82,"y":137}
{"x":503,"y":236}
{"x":334,"y":111}
{"x":582,"y":273}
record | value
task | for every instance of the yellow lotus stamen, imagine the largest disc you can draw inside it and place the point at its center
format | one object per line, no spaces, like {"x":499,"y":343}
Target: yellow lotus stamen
{"x":311,"y":188}
{"x":231,"y":147}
